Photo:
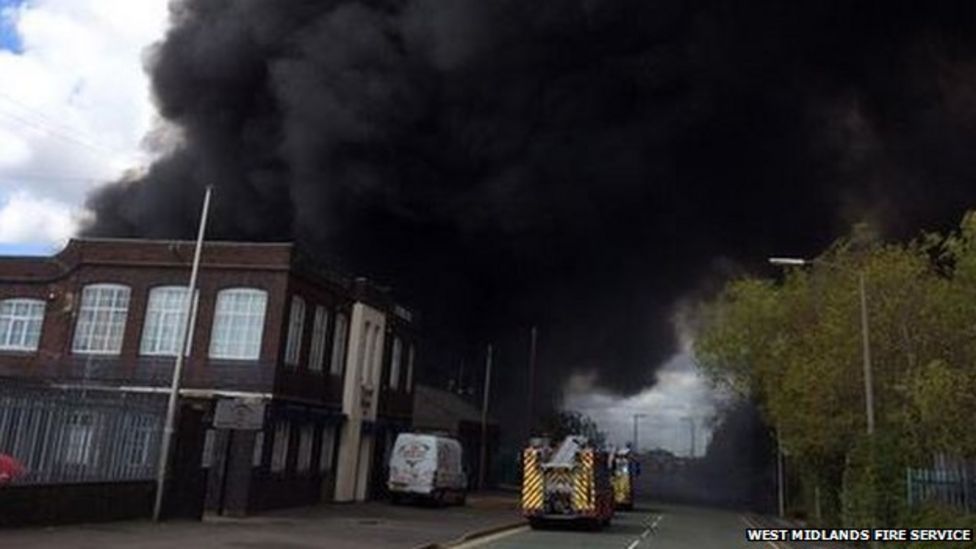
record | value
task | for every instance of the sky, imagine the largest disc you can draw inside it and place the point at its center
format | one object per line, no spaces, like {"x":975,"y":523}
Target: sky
{"x":74,"y":109}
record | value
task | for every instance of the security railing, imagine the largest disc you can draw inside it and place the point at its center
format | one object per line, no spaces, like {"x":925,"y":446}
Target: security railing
{"x":71,"y":436}
{"x":952,"y":487}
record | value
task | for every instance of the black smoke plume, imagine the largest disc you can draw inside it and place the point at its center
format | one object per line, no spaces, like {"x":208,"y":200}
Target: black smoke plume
{"x":576,"y":164}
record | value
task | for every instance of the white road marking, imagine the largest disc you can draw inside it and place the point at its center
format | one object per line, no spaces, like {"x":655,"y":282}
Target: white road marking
{"x":645,"y":533}
{"x":633,"y":544}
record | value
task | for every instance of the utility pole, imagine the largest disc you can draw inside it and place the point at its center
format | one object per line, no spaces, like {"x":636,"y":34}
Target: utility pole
{"x":181,"y":351}
{"x":532,"y":350}
{"x":691,"y":425}
{"x":484,"y":422}
{"x":636,"y":448}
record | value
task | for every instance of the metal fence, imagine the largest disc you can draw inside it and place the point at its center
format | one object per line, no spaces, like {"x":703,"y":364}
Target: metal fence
{"x":951,"y":487}
{"x":70,"y":436}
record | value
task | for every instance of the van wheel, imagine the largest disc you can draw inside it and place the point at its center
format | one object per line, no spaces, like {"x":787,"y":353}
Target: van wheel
{"x":439,"y":498}
{"x":396,"y":499}
{"x":462,"y":498}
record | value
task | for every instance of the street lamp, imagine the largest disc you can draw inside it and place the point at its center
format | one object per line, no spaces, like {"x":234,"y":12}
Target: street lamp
{"x":865,"y":333}
{"x":637,"y":417}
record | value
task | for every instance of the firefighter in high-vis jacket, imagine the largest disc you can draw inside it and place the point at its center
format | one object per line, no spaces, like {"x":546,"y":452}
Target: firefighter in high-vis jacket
{"x":625,"y":469}
{"x":571,"y":483}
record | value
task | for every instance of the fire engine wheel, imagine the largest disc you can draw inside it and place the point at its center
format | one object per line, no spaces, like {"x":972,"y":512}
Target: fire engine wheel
{"x":396,"y":499}
{"x":536,"y":523}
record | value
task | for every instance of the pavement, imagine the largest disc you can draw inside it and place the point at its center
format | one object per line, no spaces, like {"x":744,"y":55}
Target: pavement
{"x":338,"y":526}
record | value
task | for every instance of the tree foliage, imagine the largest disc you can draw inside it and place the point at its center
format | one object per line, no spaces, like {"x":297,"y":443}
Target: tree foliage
{"x":795,"y":347}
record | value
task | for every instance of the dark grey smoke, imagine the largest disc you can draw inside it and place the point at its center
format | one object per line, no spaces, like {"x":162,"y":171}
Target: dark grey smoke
{"x":573,"y":163}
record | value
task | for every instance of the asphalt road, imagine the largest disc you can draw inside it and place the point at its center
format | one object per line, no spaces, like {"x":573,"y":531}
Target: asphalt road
{"x":648,"y":527}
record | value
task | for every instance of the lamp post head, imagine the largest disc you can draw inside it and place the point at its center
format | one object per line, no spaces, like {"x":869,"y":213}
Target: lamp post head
{"x":788,"y":261}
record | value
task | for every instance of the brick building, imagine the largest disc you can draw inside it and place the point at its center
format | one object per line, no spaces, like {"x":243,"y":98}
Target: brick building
{"x":326,"y":360}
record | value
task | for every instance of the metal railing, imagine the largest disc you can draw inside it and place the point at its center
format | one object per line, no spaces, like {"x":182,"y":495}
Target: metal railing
{"x":71,"y":436}
{"x":951,"y":487}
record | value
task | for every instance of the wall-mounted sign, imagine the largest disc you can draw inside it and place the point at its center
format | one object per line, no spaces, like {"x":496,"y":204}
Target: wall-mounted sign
{"x":239,"y":413}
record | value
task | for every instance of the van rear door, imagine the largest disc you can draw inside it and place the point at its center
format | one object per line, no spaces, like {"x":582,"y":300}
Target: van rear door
{"x":413,"y":464}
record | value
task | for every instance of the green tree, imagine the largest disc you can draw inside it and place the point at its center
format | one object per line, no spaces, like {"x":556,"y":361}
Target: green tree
{"x":795,"y":347}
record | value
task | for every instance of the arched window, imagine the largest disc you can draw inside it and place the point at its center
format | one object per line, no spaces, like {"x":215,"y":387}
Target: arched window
{"x":101,"y":319}
{"x":165,"y":318}
{"x":20,"y":324}
{"x":409,"y":382}
{"x":339,"y":342}
{"x":395,"y":359}
{"x":238,"y":324}
{"x":320,"y":324}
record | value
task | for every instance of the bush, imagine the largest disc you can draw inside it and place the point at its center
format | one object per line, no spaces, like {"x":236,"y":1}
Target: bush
{"x":874,"y":483}
{"x":938,"y":516}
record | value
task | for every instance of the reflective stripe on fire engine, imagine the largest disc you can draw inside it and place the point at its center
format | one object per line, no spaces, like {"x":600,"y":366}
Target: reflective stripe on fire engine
{"x":531,"y":481}
{"x":583,"y":483}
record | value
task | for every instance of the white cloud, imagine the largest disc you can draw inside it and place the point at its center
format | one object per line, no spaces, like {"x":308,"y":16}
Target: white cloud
{"x":680,"y":396}
{"x":26,"y":219}
{"x":74,"y":104}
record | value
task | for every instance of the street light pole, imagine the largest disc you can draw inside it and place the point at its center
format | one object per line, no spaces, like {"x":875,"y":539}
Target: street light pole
{"x":637,"y":417}
{"x":865,"y":331}
{"x":185,"y":332}
{"x":780,"y":477}
{"x":866,"y":354}
{"x":484,"y":422}
{"x":691,"y":425}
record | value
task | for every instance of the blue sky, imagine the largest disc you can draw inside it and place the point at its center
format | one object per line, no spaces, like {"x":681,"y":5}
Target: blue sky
{"x":26,"y":249}
{"x":8,"y":35}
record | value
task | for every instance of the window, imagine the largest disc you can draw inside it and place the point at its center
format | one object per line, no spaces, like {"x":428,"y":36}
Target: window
{"x":365,"y":346}
{"x":238,"y":324}
{"x":80,"y":432}
{"x":101,"y":319}
{"x":165,"y":317}
{"x":258,"y":456}
{"x":136,"y":440}
{"x":397,"y":355}
{"x":20,"y":324}
{"x":327,"y":448}
{"x":409,"y":381}
{"x":316,"y":356}
{"x":305,"y":448}
{"x":279,"y":452}
{"x":296,"y":325}
{"x":339,"y":342}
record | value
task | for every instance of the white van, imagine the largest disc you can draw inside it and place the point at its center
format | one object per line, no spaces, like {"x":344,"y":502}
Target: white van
{"x":428,"y":467}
